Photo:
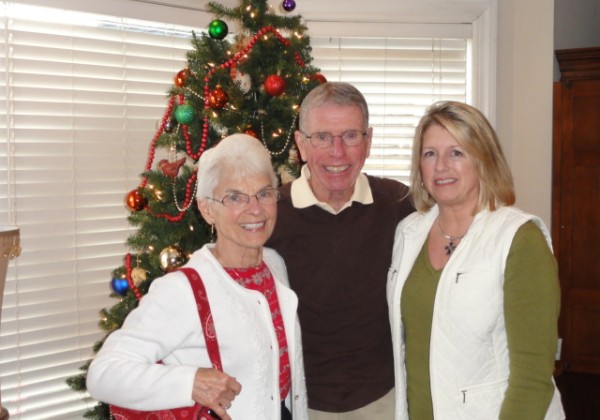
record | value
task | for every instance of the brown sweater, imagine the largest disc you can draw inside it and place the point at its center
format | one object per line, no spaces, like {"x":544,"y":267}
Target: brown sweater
{"x":337,"y":264}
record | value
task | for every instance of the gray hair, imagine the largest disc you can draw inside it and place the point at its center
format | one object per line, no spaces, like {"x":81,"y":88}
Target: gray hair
{"x":338,"y":93}
{"x":240,"y":153}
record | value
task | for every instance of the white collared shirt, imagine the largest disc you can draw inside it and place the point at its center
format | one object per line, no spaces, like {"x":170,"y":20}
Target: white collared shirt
{"x":303,"y":196}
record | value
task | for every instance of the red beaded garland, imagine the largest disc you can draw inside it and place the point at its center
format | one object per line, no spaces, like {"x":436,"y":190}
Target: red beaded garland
{"x":132,"y":286}
{"x":188,"y":197}
{"x":205,"y":129}
{"x":152,"y":149}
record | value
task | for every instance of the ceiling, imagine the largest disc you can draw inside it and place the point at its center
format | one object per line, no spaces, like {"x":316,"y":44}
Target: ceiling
{"x":393,"y":11}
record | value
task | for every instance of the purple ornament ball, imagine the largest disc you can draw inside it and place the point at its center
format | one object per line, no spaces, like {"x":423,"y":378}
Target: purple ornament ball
{"x":288,"y":5}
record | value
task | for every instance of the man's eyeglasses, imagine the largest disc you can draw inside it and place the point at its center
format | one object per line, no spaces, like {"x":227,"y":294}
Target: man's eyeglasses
{"x":322,"y":140}
{"x":240,"y":200}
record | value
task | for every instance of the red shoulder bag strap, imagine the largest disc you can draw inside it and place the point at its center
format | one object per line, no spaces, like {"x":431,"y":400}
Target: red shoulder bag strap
{"x":208,"y":329}
{"x":206,"y":319}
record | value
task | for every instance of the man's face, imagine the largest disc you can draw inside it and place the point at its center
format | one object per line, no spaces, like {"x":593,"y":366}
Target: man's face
{"x":334,"y":169}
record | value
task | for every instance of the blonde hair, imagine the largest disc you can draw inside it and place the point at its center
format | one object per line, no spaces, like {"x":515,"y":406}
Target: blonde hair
{"x":475,"y":134}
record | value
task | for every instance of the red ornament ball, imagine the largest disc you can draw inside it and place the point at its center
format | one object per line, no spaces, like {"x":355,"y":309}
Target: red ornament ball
{"x":250,"y":132}
{"x":180,"y":77}
{"x":218,"y":98}
{"x":135,"y":201}
{"x":275,"y":85}
{"x":319,"y":78}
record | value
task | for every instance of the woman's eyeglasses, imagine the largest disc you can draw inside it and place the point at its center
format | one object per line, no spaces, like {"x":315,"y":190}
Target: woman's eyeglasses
{"x":241,"y":200}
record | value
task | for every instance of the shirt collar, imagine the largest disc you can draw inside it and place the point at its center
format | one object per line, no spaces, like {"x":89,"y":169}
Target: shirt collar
{"x":303,"y":196}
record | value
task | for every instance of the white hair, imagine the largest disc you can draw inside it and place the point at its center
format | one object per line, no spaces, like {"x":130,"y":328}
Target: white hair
{"x":241,"y":153}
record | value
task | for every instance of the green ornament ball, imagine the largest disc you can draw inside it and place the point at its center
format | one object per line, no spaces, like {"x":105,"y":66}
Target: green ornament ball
{"x":217,"y":29}
{"x":184,"y":114}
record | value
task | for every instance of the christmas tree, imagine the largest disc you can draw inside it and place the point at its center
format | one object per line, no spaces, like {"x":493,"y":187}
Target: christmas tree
{"x":251,"y":82}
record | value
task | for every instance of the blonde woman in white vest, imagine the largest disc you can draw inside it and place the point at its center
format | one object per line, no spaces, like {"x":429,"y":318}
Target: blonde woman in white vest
{"x":473,"y":289}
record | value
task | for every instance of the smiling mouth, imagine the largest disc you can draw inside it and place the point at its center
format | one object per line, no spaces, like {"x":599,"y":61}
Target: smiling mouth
{"x":336,"y":169}
{"x":252,"y":226}
{"x":445,"y":181}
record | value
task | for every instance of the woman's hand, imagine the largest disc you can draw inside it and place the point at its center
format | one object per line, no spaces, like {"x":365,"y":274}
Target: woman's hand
{"x":216,"y":390}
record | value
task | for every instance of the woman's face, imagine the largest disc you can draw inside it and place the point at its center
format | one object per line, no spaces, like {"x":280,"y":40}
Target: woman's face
{"x":448,"y":173}
{"x":245,"y":228}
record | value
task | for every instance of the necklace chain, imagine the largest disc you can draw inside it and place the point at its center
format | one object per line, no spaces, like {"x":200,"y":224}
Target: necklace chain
{"x":451,"y":245}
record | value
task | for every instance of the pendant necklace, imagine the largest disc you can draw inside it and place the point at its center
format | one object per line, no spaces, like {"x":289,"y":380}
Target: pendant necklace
{"x":451,"y":246}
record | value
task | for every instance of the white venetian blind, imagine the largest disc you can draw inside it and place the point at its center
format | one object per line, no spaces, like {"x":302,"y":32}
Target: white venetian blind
{"x":399,"y":76}
{"x":80,"y":102}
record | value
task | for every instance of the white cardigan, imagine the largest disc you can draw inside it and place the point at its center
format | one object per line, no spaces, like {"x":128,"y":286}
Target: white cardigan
{"x":166,"y":326}
{"x":469,"y":364}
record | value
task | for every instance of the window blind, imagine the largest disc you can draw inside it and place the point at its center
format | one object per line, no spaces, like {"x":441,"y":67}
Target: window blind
{"x":80,"y":104}
{"x":400,"y":77}
{"x":81,"y":100}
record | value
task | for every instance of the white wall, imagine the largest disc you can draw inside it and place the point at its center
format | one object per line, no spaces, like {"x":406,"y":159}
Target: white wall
{"x":524,"y":92}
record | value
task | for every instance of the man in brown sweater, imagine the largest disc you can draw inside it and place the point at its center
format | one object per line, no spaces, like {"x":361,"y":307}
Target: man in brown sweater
{"x":335,"y":230}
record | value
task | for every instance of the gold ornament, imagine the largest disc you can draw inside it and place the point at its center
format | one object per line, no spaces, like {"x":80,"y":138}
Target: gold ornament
{"x":170,"y":258}
{"x":138,"y":275}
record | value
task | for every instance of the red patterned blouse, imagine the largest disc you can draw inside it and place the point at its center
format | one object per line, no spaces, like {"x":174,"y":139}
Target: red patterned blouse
{"x":260,"y":278}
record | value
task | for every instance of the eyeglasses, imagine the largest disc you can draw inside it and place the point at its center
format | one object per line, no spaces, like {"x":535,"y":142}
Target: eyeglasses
{"x":322,"y":140}
{"x":240,"y":200}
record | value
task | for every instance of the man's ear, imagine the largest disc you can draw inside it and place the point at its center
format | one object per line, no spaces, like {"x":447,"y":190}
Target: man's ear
{"x":369,"y":140}
{"x":204,"y":208}
{"x":300,"y":144}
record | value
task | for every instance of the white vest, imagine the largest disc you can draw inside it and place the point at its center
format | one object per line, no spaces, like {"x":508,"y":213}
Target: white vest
{"x":469,"y":363}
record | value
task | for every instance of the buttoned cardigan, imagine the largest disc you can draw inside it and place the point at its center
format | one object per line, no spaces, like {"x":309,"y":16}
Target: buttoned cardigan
{"x":166,"y":326}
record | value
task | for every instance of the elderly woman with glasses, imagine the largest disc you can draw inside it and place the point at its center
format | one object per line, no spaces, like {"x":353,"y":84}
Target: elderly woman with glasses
{"x":253,"y":309}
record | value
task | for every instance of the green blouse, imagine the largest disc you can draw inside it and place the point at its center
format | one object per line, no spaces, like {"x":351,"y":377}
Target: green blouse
{"x":531,"y":308}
